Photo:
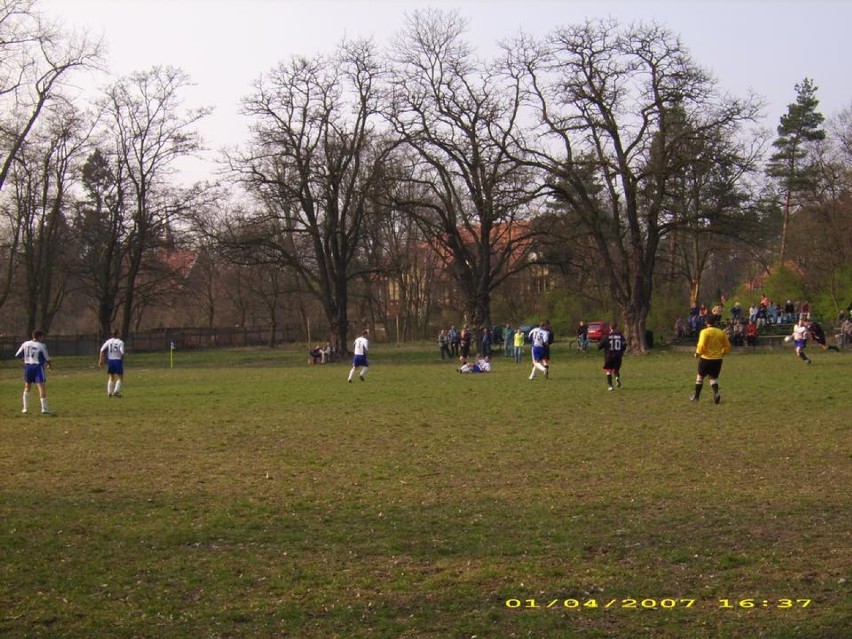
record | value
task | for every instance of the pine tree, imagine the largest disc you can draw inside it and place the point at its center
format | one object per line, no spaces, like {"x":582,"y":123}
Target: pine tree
{"x":799,"y":128}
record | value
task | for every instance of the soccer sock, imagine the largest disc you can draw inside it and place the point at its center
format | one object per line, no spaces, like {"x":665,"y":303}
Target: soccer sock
{"x":118,"y":386}
{"x":609,"y":379}
{"x":44,"y":404}
{"x":715,"y":388}
{"x":364,"y":372}
{"x":698,"y":387}
{"x":540,"y":367}
{"x":26,"y":398}
{"x":802,"y":356}
{"x":351,"y":373}
{"x":109,"y":387}
{"x":532,"y":375}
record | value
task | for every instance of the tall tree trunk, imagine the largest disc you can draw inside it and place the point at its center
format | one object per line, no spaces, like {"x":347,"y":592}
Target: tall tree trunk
{"x":105,"y":318}
{"x":336,"y":312}
{"x":694,"y":291}
{"x":635,"y":314}
{"x":784,"y":224}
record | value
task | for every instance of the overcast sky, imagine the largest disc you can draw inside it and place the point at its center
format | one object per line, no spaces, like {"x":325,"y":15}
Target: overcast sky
{"x":224,"y":45}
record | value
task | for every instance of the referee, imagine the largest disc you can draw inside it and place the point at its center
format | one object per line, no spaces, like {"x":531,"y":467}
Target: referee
{"x":711,"y":348}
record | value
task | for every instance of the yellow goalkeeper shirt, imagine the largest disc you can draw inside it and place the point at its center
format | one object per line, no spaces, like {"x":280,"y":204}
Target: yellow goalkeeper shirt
{"x":712,"y":343}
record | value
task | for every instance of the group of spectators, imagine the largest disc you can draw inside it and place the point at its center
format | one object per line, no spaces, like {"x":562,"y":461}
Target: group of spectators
{"x":457,"y":344}
{"x":768,"y":312}
{"x":741,"y":333}
{"x":765,"y":312}
{"x":744,"y":328}
{"x":696,"y":320}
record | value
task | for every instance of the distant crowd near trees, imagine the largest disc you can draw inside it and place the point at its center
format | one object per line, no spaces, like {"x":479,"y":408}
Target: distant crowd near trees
{"x":595,"y":172}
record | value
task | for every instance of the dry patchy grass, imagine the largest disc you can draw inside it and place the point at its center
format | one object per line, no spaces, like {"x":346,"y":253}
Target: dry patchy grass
{"x":246,"y":495}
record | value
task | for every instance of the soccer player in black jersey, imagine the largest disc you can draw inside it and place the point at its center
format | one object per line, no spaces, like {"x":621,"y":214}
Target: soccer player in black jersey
{"x":818,"y":335}
{"x":613,"y":345}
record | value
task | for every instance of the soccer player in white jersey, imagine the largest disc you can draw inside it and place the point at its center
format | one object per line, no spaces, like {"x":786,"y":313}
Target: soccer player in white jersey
{"x":539,"y":337}
{"x":362,"y":345}
{"x":481,"y":366}
{"x":34,"y":354}
{"x":113,"y":352}
{"x":800,"y":337}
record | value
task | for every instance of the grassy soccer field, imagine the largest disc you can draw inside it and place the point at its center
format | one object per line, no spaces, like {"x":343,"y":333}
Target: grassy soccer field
{"x":245,"y":494}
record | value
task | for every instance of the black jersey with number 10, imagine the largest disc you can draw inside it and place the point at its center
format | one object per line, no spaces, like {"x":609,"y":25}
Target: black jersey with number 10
{"x":614,"y":343}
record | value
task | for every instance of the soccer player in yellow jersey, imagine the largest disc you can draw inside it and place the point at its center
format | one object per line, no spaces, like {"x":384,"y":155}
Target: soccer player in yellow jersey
{"x":711,"y":348}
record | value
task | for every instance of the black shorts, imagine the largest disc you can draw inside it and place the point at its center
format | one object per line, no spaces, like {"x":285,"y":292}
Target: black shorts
{"x":709,"y":367}
{"x":612,"y":362}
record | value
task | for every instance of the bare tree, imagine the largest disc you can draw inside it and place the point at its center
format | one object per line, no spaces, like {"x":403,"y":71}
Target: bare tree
{"x":101,"y":234}
{"x":149,"y":131}
{"x":210,"y":274}
{"x":603,"y":99}
{"x":709,"y":203}
{"x":312,"y":165}
{"x":35,"y":59}
{"x":465,"y":189}
{"x":841,"y":132}
{"x":268,"y":286}
{"x":41,"y":178}
{"x":401,"y":273}
{"x":819,"y":240}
